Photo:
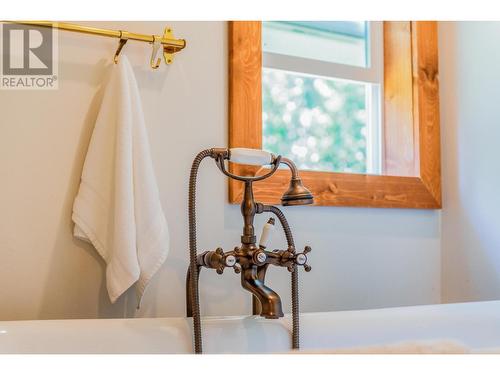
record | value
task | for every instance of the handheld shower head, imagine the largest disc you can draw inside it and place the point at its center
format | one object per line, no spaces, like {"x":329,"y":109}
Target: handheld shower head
{"x":297,"y":194}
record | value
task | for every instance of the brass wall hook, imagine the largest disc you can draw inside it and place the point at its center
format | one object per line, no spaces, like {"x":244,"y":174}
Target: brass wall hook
{"x":121,"y":43}
{"x":156,"y":46}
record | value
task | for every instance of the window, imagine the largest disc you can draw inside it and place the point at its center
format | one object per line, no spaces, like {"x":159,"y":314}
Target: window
{"x":321,"y":90}
{"x":408,"y":130}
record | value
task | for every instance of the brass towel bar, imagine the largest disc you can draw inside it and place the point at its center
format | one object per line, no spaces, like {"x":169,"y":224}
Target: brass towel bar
{"x":170,"y":44}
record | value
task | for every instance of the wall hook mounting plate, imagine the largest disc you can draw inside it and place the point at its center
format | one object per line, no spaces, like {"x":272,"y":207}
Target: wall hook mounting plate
{"x":168,"y":52}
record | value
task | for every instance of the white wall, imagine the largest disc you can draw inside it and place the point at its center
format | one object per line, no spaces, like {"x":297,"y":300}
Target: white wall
{"x":470,"y":102}
{"x":361,"y":258}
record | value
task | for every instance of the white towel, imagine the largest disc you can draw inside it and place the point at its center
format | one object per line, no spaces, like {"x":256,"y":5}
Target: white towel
{"x":117,"y":208}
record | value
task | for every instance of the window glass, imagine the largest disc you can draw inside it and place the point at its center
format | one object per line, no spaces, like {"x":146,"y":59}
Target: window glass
{"x":319,"y":123}
{"x":321,"y":96}
{"x":334,"y":41}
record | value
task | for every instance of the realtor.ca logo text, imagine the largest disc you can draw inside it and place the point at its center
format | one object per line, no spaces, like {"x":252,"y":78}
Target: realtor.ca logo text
{"x":28,"y":57}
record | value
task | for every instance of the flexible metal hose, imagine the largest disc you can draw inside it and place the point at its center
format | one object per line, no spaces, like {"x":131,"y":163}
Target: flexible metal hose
{"x":195,"y":300}
{"x":295,"y":276}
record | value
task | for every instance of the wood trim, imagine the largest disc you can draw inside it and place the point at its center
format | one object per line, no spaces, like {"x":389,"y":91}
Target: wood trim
{"x":245,"y":84}
{"x":398,"y":127}
{"x":426,"y":105}
{"x":411,"y":113}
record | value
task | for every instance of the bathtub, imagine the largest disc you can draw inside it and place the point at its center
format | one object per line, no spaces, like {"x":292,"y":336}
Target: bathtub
{"x":475,"y":324}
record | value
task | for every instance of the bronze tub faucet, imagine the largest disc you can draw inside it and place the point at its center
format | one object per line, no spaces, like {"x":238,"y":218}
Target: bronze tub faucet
{"x":249,"y":259}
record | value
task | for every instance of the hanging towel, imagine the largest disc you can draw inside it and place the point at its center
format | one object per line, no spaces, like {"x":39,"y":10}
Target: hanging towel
{"x":117,"y":208}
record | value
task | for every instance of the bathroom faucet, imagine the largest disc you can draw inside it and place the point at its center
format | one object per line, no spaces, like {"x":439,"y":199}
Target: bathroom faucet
{"x":249,"y":259}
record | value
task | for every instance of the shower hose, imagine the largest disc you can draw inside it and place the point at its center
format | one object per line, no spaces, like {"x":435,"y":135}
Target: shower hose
{"x":193,"y":266}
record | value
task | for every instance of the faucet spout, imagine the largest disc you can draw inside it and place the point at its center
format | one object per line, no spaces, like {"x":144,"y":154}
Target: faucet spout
{"x":269,"y":300}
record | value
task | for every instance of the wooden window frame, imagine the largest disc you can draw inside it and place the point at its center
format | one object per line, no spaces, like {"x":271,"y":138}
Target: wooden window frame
{"x":411,"y":134}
